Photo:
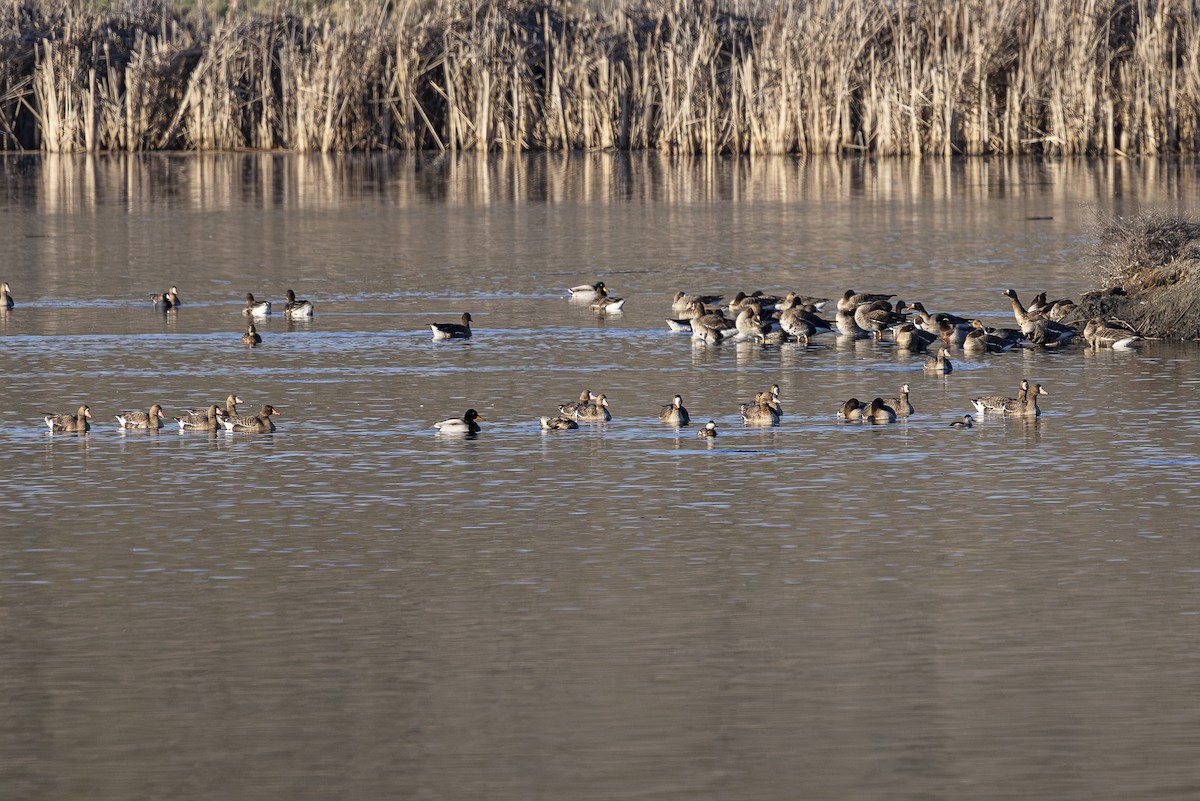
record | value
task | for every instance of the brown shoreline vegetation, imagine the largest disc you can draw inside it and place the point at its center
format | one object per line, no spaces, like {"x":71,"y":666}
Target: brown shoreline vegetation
{"x":1066,"y":77}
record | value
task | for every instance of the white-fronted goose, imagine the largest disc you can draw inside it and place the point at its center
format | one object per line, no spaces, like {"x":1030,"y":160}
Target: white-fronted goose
{"x":851,"y":410}
{"x":801,"y":323}
{"x":851,"y":300}
{"x":461,"y":425}
{"x":877,"y":316}
{"x":675,"y":414}
{"x":709,"y":430}
{"x":939,"y":363}
{"x":75,"y":423}
{"x":586,"y":293}
{"x":251,"y":337}
{"x":596,"y":411}
{"x":231,"y":405}
{"x":1001,"y":404}
{"x":911,"y":338}
{"x":966,"y":422}
{"x":296,"y":309}
{"x":256,"y":308}
{"x":201,"y":420}
{"x":570,"y":409}
{"x":151,"y":419}
{"x":750,"y":323}
{"x":1030,"y":407}
{"x":461,"y":330}
{"x":900,"y":405}
{"x":605,"y":303}
{"x":262,"y":424}
{"x":6,"y":298}
{"x":848,"y":327}
{"x":1099,"y":334}
{"x":682,"y":300}
{"x":1036,"y":326}
{"x":878,"y":412}
{"x":711,"y":325}
{"x":558,"y":423}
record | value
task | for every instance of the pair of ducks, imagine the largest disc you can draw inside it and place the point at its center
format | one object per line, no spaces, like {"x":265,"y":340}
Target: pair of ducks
{"x":879,"y":410}
{"x":167,"y":300}
{"x":597,"y":297}
{"x":294,"y":308}
{"x":210,"y":419}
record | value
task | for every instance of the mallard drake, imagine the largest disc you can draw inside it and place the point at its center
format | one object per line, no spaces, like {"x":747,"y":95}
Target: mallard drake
{"x":878,"y":412}
{"x":1099,"y":334}
{"x":851,"y":300}
{"x":453,"y":330}
{"x":909,"y":337}
{"x":6,"y":298}
{"x":605,"y":303}
{"x":596,"y":411}
{"x":162,"y":302}
{"x":939,"y":363}
{"x":461,"y":425}
{"x":708,"y":430}
{"x":569,"y":409}
{"x":1001,"y":404}
{"x":296,"y":309}
{"x":900,"y":405}
{"x":851,"y":410}
{"x":262,"y":424}
{"x":201,"y":420}
{"x":682,"y":300}
{"x":558,"y":423}
{"x":675,"y":414}
{"x":256,"y":308}
{"x":76,"y":423}
{"x":251,"y":337}
{"x":966,"y":422}
{"x":151,"y":419}
{"x":586,"y":293}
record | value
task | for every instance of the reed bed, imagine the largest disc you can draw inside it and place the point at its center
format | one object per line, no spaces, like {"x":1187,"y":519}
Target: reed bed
{"x":932,"y":77}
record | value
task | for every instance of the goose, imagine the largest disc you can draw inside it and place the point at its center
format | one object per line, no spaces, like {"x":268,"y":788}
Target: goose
{"x":1001,"y":404}
{"x":909,"y":337}
{"x":796,"y":299}
{"x":875,"y":317}
{"x":939,"y":363}
{"x":980,"y":341}
{"x":77,"y":422}
{"x":295,"y":309}
{"x":262,"y":424}
{"x":6,"y":298}
{"x":939,"y":317}
{"x":878,"y":412}
{"x":256,"y":308}
{"x":770,"y":397}
{"x":900,"y":405}
{"x":680,"y":326}
{"x":200,"y":420}
{"x":557,"y":423}
{"x":151,"y":419}
{"x":760,"y":413}
{"x":231,"y":403}
{"x":597,"y":410}
{"x":966,"y":422}
{"x":1099,"y":334}
{"x":709,"y":430}
{"x":801,"y":323}
{"x":1036,"y":327}
{"x":569,"y":409}
{"x":851,"y":300}
{"x":251,"y":337}
{"x":675,"y":414}
{"x":848,"y":327}
{"x":742,"y":301}
{"x":605,"y":303}
{"x":711,"y":326}
{"x":851,"y":410}
{"x":749,"y":322}
{"x":682,"y":300}
{"x":953,"y":334}
{"x":1030,"y":407}
{"x":586,"y":293}
{"x":162,"y":302}
{"x":460,"y":330}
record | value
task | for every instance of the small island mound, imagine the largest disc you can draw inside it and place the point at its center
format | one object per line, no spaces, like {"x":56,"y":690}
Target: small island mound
{"x":1150,"y":268}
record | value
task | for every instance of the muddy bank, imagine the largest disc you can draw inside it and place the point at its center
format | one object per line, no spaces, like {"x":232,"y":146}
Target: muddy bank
{"x":1151,"y":274}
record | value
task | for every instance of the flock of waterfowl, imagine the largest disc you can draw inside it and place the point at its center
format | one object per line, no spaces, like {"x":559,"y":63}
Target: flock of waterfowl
{"x":756,"y":316}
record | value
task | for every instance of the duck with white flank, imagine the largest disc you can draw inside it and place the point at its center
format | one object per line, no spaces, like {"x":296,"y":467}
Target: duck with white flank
{"x":297,"y":309}
{"x":256,"y":308}
{"x":558,"y":423}
{"x":586,"y":293}
{"x":461,"y":425}
{"x":605,"y":303}
{"x":461,"y":330}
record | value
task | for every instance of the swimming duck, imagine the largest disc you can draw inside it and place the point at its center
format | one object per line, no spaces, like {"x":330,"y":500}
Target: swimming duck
{"x":900,"y":405}
{"x":851,"y":410}
{"x":1001,"y":404}
{"x":6,"y":298}
{"x":606,"y":303}
{"x":453,"y":330}
{"x":878,"y":412}
{"x":262,"y":424}
{"x":761,"y":412}
{"x":586,"y":293}
{"x":256,"y":308}
{"x":558,"y":423}
{"x":939,"y":363}
{"x":251,"y":337}
{"x":675,"y":414}
{"x":296,"y":309}
{"x":569,"y":409}
{"x":709,"y":430}
{"x":461,"y":425}
{"x":151,"y":420}
{"x":966,"y":422}
{"x":769,"y":397}
{"x":201,"y":420}
{"x":596,"y":411}
{"x":77,"y":423}
{"x":162,"y":302}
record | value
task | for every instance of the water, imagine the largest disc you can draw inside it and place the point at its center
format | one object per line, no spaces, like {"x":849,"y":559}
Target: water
{"x":357,"y":607}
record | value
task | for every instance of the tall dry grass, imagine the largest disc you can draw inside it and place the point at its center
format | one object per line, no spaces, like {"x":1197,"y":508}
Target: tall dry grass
{"x":686,"y":76}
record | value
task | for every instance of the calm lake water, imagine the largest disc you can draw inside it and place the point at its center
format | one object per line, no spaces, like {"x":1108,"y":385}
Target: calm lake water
{"x":355,"y":607}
